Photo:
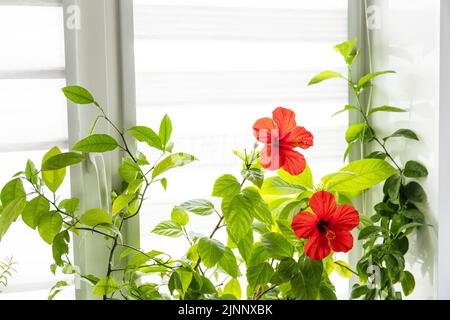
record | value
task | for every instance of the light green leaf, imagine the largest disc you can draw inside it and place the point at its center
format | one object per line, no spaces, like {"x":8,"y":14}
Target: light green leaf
{"x":386,"y":109}
{"x":414,"y":169}
{"x":96,"y":143}
{"x":11,"y":191}
{"x":359,"y":175}
{"x":168,"y":228}
{"x":163,"y":182}
{"x":347,"y":50}
{"x":370,"y":76}
{"x":60,"y":247}
{"x":304,"y":179}
{"x":62,"y":160}
{"x":277,"y":186}
{"x":31,"y":173}
{"x":172,"y":161}
{"x":10,"y":213}
{"x":291,"y":210}
{"x":121,"y":202}
{"x":233,"y":288}
{"x":369,"y":232}
{"x":147,"y":135}
{"x":34,"y":210}
{"x":239,"y":217}
{"x":354,"y":132}
{"x":343,"y":269}
{"x":312,"y":272}
{"x":210,"y":251}
{"x":53,"y":179}
{"x":261,"y":210}
{"x":105,"y":286}
{"x":228,"y":263}
{"x":50,"y":225}
{"x":254,"y":175}
{"x":128,"y":170}
{"x":346,"y":108}
{"x":78,"y":95}
{"x":324,"y":75}
{"x":57,"y":289}
{"x":276,"y":245}
{"x":200,"y":207}
{"x":226,"y":186}
{"x":259,"y":274}
{"x":179,"y":216}
{"x":70,"y":205}
{"x":95,"y":217}
{"x":165,"y":130}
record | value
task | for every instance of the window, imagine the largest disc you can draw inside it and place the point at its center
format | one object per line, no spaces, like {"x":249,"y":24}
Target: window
{"x":31,"y":75}
{"x":217,"y":66}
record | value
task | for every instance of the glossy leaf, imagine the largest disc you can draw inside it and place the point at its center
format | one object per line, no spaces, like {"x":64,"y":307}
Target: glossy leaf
{"x":96,"y":143}
{"x":276,"y":245}
{"x":405,"y":133}
{"x":354,"y":132}
{"x":147,"y":135}
{"x":386,"y":109}
{"x":78,"y":95}
{"x":228,"y":263}
{"x":34,"y":210}
{"x":50,"y":225}
{"x":324,"y":75}
{"x":226,"y":186}
{"x":172,"y":161}
{"x":239,"y":217}
{"x":11,"y":191}
{"x":62,"y":160}
{"x":304,"y":179}
{"x":347,"y":50}
{"x":53,"y":179}
{"x":165,"y":130}
{"x":259,"y":274}
{"x":414,"y":169}
{"x":95,"y":217}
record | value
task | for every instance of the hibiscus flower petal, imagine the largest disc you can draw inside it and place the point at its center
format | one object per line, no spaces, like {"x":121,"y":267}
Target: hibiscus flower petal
{"x":292,"y":161}
{"x":270,"y":158}
{"x":317,"y":247}
{"x":342,"y":242}
{"x":285,"y":120}
{"x":304,"y":224}
{"x":265,"y":130}
{"x":344,"y":218}
{"x":323,"y":204}
{"x":299,"y":137}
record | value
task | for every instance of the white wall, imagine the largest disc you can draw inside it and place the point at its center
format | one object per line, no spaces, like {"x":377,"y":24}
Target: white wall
{"x":405,"y":38}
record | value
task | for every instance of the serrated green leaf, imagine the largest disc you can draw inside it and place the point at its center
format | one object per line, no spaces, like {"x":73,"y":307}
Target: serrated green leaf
{"x":277,"y":186}
{"x":259,"y":274}
{"x":276,"y":245}
{"x":168,"y":228}
{"x":210,"y":251}
{"x":226,"y":186}
{"x":239,"y":217}
{"x":228,"y":263}
{"x":200,"y":207}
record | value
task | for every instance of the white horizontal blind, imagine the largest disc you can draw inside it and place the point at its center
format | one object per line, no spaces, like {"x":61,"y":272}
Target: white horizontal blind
{"x":32,"y":120}
{"x":216,"y":66}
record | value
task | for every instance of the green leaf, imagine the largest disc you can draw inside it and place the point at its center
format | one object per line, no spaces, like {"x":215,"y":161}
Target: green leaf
{"x":376,"y":155}
{"x":226,"y":186}
{"x":415,"y":192}
{"x":95,"y":217}
{"x":324,"y":75}
{"x":368,"y":232}
{"x":10,"y":213}
{"x":346,"y":108}
{"x":128,"y":170}
{"x":96,"y":143}
{"x":49,"y":226}
{"x":304,"y":179}
{"x":276,"y":245}
{"x":70,"y":205}
{"x":347,"y":50}
{"x":31,"y":173}
{"x":358,"y":291}
{"x":414,"y":214}
{"x":239,"y":217}
{"x":277,"y":186}
{"x":291,"y":209}
{"x":359,"y":175}
{"x":408,"y":282}
{"x":147,"y":135}
{"x":386,"y":109}
{"x":163,"y":182}
{"x":179,"y":216}
{"x":259,"y":274}
{"x":168,"y":228}
{"x":172,"y":161}
{"x":12,"y":191}
{"x":261,"y":209}
{"x":165,"y":130}
{"x":414,"y":169}
{"x":105,"y":286}
{"x":343,"y":269}
{"x":233,"y":287}
{"x":392,"y":187}
{"x":56,"y":289}
{"x":53,"y":179}
{"x":60,"y":247}
{"x":254,"y":175}
{"x":210,"y":251}
{"x":62,"y":160}
{"x":200,"y":207}
{"x":354,"y":132}
{"x":245,"y":245}
{"x":121,"y":202}
{"x":405,"y":133}
{"x":365,"y":79}
{"x":228,"y":263}
{"x":34,"y":210}
{"x":312,"y":272}
{"x":78,"y":95}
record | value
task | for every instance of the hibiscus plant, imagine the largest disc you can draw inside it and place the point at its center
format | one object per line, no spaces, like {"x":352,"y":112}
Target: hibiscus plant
{"x":281,"y":229}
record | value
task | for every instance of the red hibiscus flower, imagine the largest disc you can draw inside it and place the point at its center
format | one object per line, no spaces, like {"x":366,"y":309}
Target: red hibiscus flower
{"x":327,"y":228}
{"x":280,"y":136}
